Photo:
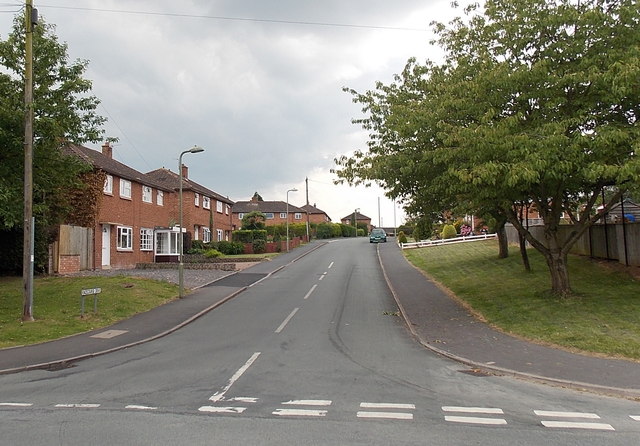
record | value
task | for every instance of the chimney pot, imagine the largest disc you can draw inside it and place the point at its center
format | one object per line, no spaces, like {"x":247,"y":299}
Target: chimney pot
{"x":185,"y":172}
{"x":107,"y":150}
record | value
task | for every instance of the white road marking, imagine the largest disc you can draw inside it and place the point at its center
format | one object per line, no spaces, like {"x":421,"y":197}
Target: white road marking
{"x":218,"y":396}
{"x":109,"y":334}
{"x":330,"y":265}
{"x":387,"y":406}
{"x":324,"y":274}
{"x":486,"y":410}
{"x":286,"y":321}
{"x":552,"y":413}
{"x":77,"y":406}
{"x":476,"y":420}
{"x":635,"y":417}
{"x":575,"y":425}
{"x":213,"y":409}
{"x":16,"y":404}
{"x":386,"y":415}
{"x":299,"y":413}
{"x":244,"y":399}
{"x":310,"y":291}
{"x":308,"y":402}
{"x":138,"y":407}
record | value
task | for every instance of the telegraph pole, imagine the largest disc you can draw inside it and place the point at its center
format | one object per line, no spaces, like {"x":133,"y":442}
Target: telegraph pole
{"x":31,"y":18}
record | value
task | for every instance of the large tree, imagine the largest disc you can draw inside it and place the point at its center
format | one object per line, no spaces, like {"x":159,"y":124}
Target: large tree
{"x":536,"y":102}
{"x":64,"y":110}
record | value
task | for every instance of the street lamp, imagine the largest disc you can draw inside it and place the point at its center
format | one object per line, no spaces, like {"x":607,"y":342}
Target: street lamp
{"x":290,"y":190}
{"x":194,"y":149}
{"x":355,"y":219}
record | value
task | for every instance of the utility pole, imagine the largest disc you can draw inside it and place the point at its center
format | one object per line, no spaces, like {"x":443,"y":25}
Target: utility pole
{"x":306,"y":180}
{"x":31,"y":19}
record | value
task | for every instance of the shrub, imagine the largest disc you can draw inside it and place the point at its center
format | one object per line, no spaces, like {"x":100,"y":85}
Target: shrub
{"x":259,"y":246}
{"x":212,"y":253}
{"x":324,"y":230}
{"x":448,"y":231}
{"x":401,"y":237}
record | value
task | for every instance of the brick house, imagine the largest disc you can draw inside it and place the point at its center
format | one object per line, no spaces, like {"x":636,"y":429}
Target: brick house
{"x":360,"y":218}
{"x":129,"y":209}
{"x":316,"y":215}
{"x":136,"y":215}
{"x":274,"y":211}
{"x":206,"y":214}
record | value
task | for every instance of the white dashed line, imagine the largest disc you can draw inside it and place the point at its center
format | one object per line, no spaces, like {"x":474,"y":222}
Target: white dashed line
{"x":229,"y":410}
{"x":485,"y":410}
{"x":474,"y":420}
{"x":576,"y":425}
{"x":16,"y":404}
{"x":386,"y":415}
{"x":299,"y":413}
{"x":218,"y":396}
{"x":387,"y":406}
{"x":635,"y":417}
{"x":308,"y":402}
{"x":139,"y":407}
{"x":552,"y":413}
{"x":77,"y":406}
{"x":286,"y":321}
{"x":330,"y":265}
{"x":310,"y":291}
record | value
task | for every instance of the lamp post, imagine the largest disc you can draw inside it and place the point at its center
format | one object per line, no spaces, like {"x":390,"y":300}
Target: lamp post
{"x":194,"y":149}
{"x":355,"y":219}
{"x":290,"y":190}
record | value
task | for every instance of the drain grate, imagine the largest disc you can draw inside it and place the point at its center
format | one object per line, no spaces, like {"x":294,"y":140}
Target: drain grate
{"x":475,"y":372}
{"x":59,"y":366}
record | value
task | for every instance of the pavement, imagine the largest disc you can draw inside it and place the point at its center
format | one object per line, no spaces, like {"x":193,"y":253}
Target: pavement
{"x":435,"y":319}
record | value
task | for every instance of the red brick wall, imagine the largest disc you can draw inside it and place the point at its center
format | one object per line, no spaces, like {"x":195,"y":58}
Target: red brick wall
{"x":69,"y":264}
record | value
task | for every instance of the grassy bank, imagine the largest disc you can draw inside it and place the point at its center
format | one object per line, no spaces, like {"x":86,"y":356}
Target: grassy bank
{"x":56,"y":306}
{"x":603,"y":316}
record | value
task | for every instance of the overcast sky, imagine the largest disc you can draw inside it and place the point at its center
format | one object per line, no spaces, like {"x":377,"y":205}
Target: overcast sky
{"x":256,"y":83}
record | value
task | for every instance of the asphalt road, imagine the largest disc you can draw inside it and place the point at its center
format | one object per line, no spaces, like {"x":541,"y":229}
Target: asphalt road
{"x":314,"y":354}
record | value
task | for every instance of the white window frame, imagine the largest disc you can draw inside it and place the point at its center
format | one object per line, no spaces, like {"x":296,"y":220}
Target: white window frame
{"x":220,"y":235}
{"x":124,"y":240}
{"x":146,"y":239}
{"x":125,"y":188}
{"x":147,"y":194}
{"x":240,"y":215}
{"x":297,"y":216}
{"x":226,"y":211}
{"x":268,"y":215}
{"x":283,"y":215}
{"x":108,"y":185}
{"x":219,"y":206}
{"x":206,"y":235}
{"x":166,"y":242}
{"x":160,"y":198}
{"x":196,"y":232}
{"x":206,"y":202}
{"x":196,"y":198}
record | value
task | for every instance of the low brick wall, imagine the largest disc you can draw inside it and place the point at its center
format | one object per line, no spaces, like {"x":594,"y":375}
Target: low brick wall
{"x":69,"y":264}
{"x":201,"y":266}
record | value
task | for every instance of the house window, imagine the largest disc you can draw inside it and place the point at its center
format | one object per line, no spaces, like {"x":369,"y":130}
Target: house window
{"x":206,"y":202}
{"x":219,"y":206}
{"x":108,"y":185}
{"x":206,"y":235}
{"x":196,"y":199}
{"x":125,"y":188}
{"x":125,"y":238}
{"x":146,"y":239}
{"x":240,"y":215}
{"x":167,"y":242}
{"x":147,"y":194}
{"x":196,"y":232}
{"x":297,"y":216}
{"x":268,"y":215}
{"x":226,"y":211}
{"x":220,"y":235}
{"x":160,"y":198}
{"x":283,"y":215}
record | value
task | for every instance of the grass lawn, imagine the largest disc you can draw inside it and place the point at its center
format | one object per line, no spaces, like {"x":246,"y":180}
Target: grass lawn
{"x":56,"y":305}
{"x":602,"y":317}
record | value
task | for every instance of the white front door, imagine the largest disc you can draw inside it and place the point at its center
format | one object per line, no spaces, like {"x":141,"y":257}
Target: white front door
{"x":106,"y":246}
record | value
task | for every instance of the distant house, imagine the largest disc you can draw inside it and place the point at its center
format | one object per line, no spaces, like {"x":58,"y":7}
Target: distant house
{"x":630,"y":210}
{"x":360,"y":218}
{"x":316,"y":215}
{"x":206,"y":214}
{"x":275,"y":212}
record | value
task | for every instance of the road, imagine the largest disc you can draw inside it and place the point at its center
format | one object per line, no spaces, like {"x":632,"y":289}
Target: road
{"x":314,"y":354}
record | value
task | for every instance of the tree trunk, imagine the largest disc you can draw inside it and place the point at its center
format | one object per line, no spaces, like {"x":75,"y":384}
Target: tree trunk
{"x":523,"y":252}
{"x":558,"y":268}
{"x":503,"y":242}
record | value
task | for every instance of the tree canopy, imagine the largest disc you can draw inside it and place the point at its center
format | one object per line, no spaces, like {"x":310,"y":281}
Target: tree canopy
{"x":535,"y":104}
{"x":64,"y":110}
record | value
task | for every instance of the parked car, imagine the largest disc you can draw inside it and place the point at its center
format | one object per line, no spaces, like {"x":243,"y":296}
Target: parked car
{"x":377,"y":235}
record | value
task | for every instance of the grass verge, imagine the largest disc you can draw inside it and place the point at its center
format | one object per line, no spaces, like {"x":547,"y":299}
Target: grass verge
{"x":56,"y":305}
{"x":603,"y":316}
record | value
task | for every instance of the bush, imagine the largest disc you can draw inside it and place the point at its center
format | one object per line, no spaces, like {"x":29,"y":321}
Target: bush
{"x":448,"y":231}
{"x":248,"y":236}
{"x":212,"y":253}
{"x":230,"y":248}
{"x":259,"y":246}
{"x":324,"y":230}
{"x":402,"y":238}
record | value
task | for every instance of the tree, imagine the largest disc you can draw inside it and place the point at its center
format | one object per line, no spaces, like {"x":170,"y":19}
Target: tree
{"x":253,"y":221}
{"x":536,"y":102}
{"x":64,"y":111}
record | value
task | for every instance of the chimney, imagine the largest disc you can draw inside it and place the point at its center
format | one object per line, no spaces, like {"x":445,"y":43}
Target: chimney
{"x":185,"y":172}
{"x":107,"y":150}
